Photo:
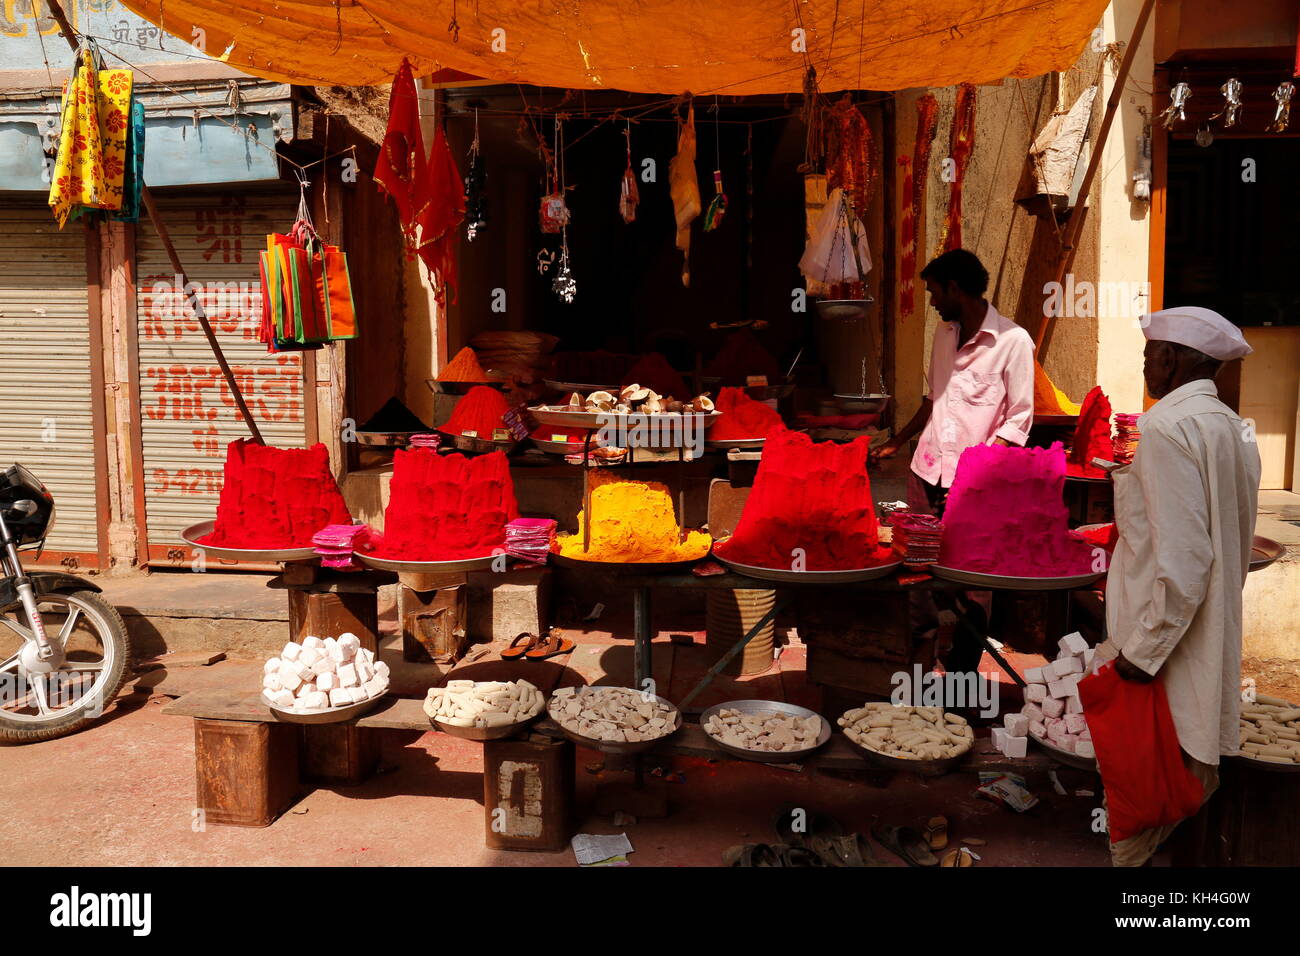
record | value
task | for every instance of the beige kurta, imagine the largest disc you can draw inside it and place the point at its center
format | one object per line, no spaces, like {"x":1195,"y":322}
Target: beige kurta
{"x":1186,"y":515}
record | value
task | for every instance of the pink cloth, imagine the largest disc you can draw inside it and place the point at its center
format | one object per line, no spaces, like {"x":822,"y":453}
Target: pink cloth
{"x":982,"y":391}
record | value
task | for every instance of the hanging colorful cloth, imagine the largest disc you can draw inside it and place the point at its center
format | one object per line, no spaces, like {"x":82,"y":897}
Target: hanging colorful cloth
{"x":475,"y":189}
{"x":133,"y":180}
{"x":684,"y":187}
{"x":852,"y":164}
{"x":91,"y":160}
{"x":401,"y":168}
{"x":961,"y":143}
{"x":718,"y":206}
{"x":441,"y":210}
{"x":629,"y":196}
{"x":927,"y":113}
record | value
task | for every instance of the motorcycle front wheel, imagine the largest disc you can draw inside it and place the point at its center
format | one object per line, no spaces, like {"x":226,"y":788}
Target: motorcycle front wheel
{"x":96,"y":653}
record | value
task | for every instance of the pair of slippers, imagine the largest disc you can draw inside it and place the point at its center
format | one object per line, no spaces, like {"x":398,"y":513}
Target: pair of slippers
{"x":809,"y":838}
{"x":530,"y":647}
{"x":917,"y":847}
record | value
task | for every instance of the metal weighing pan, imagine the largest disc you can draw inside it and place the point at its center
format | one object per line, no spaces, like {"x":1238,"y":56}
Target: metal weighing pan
{"x":620,"y":747}
{"x":477,"y":446}
{"x":745,"y":444}
{"x":764,"y":707}
{"x":629,"y":567}
{"x":483,"y":733}
{"x":1065,"y":756}
{"x":861,"y":404}
{"x":331,"y":715}
{"x":925,"y":768}
{"x":1008,"y":583}
{"x":425,"y":567}
{"x":204,"y":528}
{"x":811,"y":577}
{"x":1263,"y":552}
{"x":584,"y":388}
{"x":552,"y":416}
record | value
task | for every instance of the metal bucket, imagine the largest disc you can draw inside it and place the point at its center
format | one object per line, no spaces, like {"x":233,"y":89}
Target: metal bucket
{"x":729,"y":615}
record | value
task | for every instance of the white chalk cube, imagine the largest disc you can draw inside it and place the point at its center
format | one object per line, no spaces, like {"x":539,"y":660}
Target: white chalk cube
{"x":271,"y":666}
{"x":1000,"y":739}
{"x":350,"y":644}
{"x":290,"y":652}
{"x":1064,"y":666}
{"x":1075,"y":723}
{"x":308,"y":656}
{"x":327,"y":643}
{"x":305,"y":688}
{"x":1038,"y":729}
{"x":323,"y":666}
{"x":327,"y":681}
{"x":1032,"y":711}
{"x":381,"y":669}
{"x":376,"y":687}
{"x":316,"y":700}
{"x":339,"y":697}
{"x":364,"y":670}
{"x":1017,"y":725}
{"x":348,"y":676}
{"x":366,"y":654}
{"x":289,"y":679}
{"x":281,"y":698}
{"x":1089,"y":656}
{"x":1066,"y":742}
{"x":1086,"y":735}
{"x":1053,"y":707}
{"x":1073,"y":643}
{"x":1073,"y":705}
{"x":1062,"y":688}
{"x":271,"y":682}
{"x":1016,"y":746}
{"x":1084,"y":748}
{"x":1035,"y":675}
{"x":1036,"y":693}
{"x":313,"y":642}
{"x":336,"y":654}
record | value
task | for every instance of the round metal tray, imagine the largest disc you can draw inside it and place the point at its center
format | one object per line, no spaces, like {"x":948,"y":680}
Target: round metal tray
{"x":741,"y":443}
{"x":925,"y":768}
{"x":861,"y":404}
{"x":331,"y":715}
{"x":1008,"y":583}
{"x":204,"y":528}
{"x":621,"y":747}
{"x":387,"y":439}
{"x":583,"y":387}
{"x":1267,"y":766}
{"x":767,"y":707}
{"x":425,"y":567}
{"x":811,"y":577}
{"x":564,"y":447}
{"x":597,"y":420}
{"x":484,"y":733}
{"x":477,"y":446}
{"x":1263,"y":552}
{"x":1065,"y":756}
{"x":629,"y":567}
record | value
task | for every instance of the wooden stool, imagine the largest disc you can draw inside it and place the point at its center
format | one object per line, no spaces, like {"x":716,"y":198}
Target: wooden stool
{"x":432,"y":610}
{"x":528,"y":793}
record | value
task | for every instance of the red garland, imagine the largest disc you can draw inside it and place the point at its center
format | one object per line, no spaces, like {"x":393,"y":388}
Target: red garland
{"x":927,"y":112}
{"x":961,"y":143}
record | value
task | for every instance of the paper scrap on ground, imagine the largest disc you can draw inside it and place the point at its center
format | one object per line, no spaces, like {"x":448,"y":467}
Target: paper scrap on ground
{"x":594,"y":849}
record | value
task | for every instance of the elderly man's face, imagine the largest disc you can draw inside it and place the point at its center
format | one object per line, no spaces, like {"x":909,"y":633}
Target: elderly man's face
{"x":1157,"y":368}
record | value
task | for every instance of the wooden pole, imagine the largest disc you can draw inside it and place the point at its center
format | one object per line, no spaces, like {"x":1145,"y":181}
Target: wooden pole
{"x":1070,"y":238}
{"x":56,"y":10}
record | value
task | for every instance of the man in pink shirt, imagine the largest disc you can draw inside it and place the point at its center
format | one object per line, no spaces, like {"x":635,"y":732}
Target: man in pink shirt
{"x":981,"y":392}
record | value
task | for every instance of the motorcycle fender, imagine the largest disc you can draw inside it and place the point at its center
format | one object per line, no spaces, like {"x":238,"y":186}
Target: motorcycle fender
{"x":43,"y":582}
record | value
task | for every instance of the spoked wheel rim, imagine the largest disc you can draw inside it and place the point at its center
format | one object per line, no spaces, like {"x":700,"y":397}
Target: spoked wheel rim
{"x":90,"y":656}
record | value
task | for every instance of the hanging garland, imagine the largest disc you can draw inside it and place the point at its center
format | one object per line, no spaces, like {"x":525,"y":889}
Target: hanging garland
{"x":961,"y":143}
{"x":852,"y":165}
{"x":475,"y":189}
{"x":927,"y":125}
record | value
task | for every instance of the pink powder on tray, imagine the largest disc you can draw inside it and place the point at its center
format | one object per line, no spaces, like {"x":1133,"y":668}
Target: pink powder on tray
{"x":1006,"y":515}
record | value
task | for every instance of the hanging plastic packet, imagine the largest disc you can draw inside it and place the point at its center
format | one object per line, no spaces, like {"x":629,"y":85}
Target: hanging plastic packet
{"x":629,"y":196}
{"x":718,"y":206}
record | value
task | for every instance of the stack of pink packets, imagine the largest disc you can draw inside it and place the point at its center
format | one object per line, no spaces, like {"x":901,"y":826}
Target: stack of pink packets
{"x":916,"y":538}
{"x":529,"y":539}
{"x":336,"y":543}
{"x":425,"y":440}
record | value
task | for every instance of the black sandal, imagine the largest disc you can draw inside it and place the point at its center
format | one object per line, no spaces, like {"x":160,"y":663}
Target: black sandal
{"x":906,"y":843}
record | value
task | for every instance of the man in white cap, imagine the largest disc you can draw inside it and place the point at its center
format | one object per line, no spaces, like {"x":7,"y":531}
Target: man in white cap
{"x":1185,"y":511}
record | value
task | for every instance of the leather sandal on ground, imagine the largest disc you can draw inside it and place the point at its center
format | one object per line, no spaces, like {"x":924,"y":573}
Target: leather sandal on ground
{"x":958,"y":856}
{"x":797,"y":856}
{"x":552,"y":645}
{"x":936,"y":832}
{"x":816,"y":824}
{"x":521,"y":645}
{"x":750,"y":854}
{"x":908,"y":844}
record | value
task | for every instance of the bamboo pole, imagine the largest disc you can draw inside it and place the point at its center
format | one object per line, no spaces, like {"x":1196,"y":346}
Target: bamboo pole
{"x":1070,"y":238}
{"x":56,"y":9}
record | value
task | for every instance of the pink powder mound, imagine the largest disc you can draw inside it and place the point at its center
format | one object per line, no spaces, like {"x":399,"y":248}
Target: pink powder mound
{"x":1006,"y":515}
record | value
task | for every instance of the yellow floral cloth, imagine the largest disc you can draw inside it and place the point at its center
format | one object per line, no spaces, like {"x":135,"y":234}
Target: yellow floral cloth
{"x":91,"y":160}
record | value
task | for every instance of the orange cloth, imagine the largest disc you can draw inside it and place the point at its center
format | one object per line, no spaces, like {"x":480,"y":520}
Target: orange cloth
{"x":656,"y":46}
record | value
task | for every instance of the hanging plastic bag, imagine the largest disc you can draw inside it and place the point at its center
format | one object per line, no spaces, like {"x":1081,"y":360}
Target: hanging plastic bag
{"x":829,"y":256}
{"x":334,"y":304}
{"x":1147,"y":784}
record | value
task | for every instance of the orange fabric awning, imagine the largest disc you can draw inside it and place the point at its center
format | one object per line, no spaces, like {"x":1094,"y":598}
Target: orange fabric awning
{"x":652,"y":46}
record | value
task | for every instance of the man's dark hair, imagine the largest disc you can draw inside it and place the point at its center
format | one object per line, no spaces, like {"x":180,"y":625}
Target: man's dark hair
{"x":960,"y":266}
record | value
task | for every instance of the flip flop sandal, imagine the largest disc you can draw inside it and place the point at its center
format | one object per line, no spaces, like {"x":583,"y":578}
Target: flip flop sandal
{"x":936,"y":832}
{"x":514,"y":652}
{"x":750,"y":854}
{"x":552,"y":645}
{"x":856,"y":849}
{"x":906,"y":843}
{"x":830,"y":852}
{"x":958,"y":857}
{"x":797,"y":856}
{"x":817,"y":824}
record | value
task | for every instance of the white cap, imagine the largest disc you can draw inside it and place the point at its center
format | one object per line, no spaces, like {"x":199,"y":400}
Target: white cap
{"x":1202,"y":329}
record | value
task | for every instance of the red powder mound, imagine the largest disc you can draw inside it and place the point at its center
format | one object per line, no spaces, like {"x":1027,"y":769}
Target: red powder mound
{"x":275,"y":497}
{"x":742,"y":417}
{"x":741,"y":356}
{"x":1091,"y":436}
{"x":1102,"y":536}
{"x":447,"y":507}
{"x":809,"y":495}
{"x":479,"y":411}
{"x":656,"y":374}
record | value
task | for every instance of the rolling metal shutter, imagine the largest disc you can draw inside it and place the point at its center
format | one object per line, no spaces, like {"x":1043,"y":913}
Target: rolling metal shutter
{"x":187,"y":413}
{"x":46,"y":416}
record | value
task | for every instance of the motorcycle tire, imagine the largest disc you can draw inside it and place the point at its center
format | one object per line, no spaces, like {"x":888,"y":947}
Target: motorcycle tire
{"x":22,"y":732}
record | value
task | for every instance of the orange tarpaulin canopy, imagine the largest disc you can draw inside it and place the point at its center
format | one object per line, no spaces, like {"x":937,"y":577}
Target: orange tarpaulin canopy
{"x":651,"y":46}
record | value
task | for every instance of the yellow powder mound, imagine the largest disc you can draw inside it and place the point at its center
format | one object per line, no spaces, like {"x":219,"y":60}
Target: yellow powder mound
{"x":634,"y":522}
{"x":1048,"y":399}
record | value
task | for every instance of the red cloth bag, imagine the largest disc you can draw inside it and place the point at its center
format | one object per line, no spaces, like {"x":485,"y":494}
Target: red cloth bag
{"x":1147,"y":784}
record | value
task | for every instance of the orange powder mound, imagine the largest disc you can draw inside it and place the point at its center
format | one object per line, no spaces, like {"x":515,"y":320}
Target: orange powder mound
{"x":742,"y":417}
{"x":655,"y":373}
{"x":463,"y":368}
{"x":634,"y":522}
{"x":1048,"y":399}
{"x":479,"y":411}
